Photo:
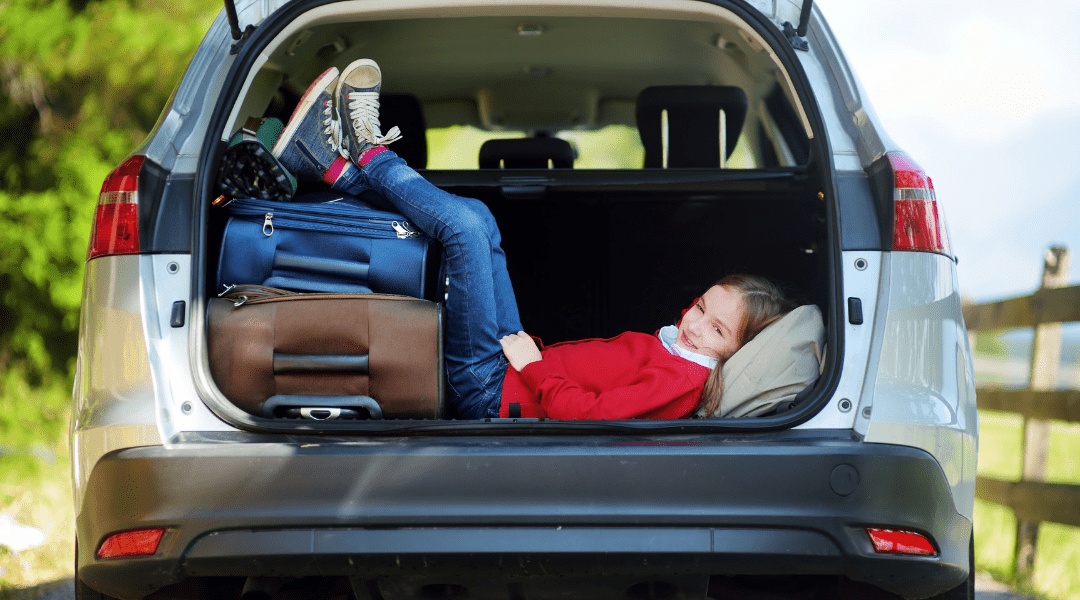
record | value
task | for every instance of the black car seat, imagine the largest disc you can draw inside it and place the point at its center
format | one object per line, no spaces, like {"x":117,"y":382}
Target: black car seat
{"x":693,"y":123}
{"x":527,"y":153}
{"x":405,"y":112}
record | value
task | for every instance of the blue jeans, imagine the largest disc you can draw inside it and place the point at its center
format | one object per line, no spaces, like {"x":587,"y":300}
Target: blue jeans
{"x":480,"y":304}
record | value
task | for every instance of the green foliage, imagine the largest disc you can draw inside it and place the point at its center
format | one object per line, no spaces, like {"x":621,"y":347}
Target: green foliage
{"x":35,"y":477}
{"x":82,"y":83}
{"x":988,"y":343}
{"x":32,"y":416}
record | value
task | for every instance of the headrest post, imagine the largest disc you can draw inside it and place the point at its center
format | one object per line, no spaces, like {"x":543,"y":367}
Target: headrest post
{"x":541,"y":152}
{"x":664,"y":137}
{"x":723,"y":139}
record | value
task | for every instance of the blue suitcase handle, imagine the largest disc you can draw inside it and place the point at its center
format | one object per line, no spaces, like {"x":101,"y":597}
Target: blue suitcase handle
{"x":318,"y":265}
{"x":307,"y":273}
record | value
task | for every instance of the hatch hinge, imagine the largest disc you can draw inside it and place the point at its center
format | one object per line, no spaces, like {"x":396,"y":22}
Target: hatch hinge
{"x":797,"y":35}
{"x":235,"y":48}
{"x":797,"y":42}
{"x":234,"y":25}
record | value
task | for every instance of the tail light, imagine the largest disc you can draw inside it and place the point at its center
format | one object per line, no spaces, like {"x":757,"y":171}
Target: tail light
{"x":918,"y":224}
{"x":116,"y":223}
{"x":140,"y":542}
{"x":898,"y":541}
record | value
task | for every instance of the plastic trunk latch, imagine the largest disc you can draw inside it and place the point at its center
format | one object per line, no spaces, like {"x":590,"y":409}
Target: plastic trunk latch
{"x":855,"y":316}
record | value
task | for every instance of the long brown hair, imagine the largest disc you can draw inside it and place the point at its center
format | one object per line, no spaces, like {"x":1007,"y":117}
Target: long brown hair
{"x":762,"y":303}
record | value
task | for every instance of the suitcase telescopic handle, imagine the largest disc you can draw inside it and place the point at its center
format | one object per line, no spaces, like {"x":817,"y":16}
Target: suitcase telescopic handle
{"x":324,"y":408}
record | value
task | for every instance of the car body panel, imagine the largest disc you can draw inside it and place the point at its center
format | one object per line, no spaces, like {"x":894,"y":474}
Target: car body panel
{"x":177,"y":139}
{"x":356,"y":506}
{"x":855,"y":111}
{"x":155,"y":443}
{"x":924,"y":390}
{"x":254,"y":12}
{"x":167,"y":288}
{"x":862,"y":272}
{"x":114,"y":397}
{"x":143,"y":393}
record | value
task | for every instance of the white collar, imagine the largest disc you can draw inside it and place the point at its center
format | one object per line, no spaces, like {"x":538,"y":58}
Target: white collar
{"x":669,"y":334}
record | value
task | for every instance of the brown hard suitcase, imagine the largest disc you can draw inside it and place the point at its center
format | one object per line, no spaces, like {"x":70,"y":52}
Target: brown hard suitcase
{"x":282,"y":354}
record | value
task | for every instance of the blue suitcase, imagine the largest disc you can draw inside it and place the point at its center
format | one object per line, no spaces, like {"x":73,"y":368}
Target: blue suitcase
{"x":327,"y":243}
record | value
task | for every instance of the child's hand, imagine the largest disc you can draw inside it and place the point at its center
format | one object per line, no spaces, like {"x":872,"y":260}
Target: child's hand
{"x":520,"y":350}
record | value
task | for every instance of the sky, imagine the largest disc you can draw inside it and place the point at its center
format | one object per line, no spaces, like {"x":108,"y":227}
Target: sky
{"x":985,"y":96}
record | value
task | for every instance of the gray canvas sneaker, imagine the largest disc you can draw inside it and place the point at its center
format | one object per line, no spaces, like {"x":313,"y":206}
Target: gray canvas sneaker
{"x":310,"y":147}
{"x":358,"y":100}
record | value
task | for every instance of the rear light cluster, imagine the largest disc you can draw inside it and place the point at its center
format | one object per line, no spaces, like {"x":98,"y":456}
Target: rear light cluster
{"x":899,"y":541}
{"x":919,"y":224}
{"x":139,"y":542}
{"x":116,"y":222}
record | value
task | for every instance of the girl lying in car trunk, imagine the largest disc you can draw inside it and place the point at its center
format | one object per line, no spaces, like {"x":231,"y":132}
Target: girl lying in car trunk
{"x":494,"y":369}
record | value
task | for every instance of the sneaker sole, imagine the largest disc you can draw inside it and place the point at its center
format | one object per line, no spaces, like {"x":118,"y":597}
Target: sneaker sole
{"x":346,"y":123}
{"x":308,"y":99}
{"x":363,"y":62}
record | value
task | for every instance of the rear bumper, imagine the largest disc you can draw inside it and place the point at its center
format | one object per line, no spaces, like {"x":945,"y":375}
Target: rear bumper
{"x":489,"y":511}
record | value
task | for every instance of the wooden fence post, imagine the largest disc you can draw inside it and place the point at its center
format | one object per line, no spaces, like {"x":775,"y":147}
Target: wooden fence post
{"x":1045,"y":356}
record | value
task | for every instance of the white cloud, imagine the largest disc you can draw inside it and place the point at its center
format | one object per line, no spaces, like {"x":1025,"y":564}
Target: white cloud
{"x":984,"y":92}
{"x":989,"y":70}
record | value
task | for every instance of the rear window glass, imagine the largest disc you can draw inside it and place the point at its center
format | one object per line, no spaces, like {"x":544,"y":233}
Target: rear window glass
{"x":611,"y":147}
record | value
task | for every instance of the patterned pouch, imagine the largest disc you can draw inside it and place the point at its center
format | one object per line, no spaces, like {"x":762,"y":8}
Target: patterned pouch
{"x":250,"y":170}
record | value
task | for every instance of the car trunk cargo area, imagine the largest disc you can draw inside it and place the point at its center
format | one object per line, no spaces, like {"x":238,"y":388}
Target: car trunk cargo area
{"x":592,"y":251}
{"x":597,"y":260}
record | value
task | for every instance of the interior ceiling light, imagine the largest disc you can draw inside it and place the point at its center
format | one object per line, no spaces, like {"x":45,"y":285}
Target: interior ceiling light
{"x":530,"y":29}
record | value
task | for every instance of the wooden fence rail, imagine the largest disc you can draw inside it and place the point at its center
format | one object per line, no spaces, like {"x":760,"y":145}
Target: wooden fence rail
{"x":1047,"y":305}
{"x":1059,"y":405}
{"x":1032,"y":499}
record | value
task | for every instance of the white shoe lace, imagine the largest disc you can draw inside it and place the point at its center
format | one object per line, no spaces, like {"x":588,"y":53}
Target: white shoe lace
{"x":364,"y":113}
{"x":333,"y":130}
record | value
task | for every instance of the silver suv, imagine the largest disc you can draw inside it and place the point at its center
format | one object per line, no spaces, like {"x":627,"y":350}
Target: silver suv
{"x":861,"y":486}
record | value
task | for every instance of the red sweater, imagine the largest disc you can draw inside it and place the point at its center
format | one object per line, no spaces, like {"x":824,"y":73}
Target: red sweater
{"x":628,"y":376}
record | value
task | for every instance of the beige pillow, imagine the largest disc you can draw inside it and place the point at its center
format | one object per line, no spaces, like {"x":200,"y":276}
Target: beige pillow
{"x":772,"y":368}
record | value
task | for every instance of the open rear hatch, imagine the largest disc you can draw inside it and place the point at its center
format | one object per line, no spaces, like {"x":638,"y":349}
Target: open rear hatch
{"x":693,"y":154}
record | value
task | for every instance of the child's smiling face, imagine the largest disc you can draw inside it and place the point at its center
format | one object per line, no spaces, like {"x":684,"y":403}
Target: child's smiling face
{"x":711,"y":326}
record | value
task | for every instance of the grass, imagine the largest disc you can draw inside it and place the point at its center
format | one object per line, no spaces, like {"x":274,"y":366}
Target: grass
{"x":35,"y":479}
{"x":1056,"y":576}
{"x":1001,"y":456}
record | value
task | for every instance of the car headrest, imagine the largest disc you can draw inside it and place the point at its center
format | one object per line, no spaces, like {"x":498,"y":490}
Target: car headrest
{"x":771,"y":369}
{"x":527,"y":153}
{"x":693,"y":123}
{"x":404,"y":111}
